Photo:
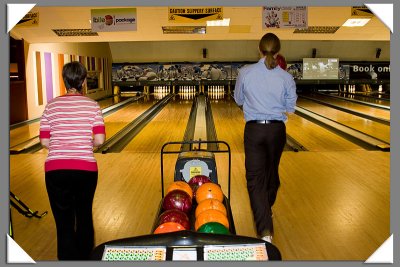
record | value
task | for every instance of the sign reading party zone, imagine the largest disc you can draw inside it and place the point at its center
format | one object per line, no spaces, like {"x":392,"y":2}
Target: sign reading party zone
{"x":114,"y":20}
{"x":194,"y":14}
{"x":284,"y":17}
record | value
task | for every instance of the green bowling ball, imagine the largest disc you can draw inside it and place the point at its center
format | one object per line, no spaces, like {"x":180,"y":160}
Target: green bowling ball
{"x":213,"y":228}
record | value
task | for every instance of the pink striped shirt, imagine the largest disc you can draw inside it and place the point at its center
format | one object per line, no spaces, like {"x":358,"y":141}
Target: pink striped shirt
{"x":70,"y":121}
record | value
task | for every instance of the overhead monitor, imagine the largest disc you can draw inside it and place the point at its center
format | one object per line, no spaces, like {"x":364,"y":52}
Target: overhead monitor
{"x":320,"y":68}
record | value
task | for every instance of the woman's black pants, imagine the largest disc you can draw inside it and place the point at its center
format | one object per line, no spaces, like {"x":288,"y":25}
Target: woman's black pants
{"x":71,"y":194}
{"x":264,"y":144}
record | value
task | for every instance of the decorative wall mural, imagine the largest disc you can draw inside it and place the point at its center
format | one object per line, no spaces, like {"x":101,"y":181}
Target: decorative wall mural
{"x":125,"y":72}
{"x":175,"y":71}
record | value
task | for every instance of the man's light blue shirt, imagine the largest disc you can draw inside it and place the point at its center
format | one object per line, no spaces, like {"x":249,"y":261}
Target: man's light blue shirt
{"x":265,"y":94}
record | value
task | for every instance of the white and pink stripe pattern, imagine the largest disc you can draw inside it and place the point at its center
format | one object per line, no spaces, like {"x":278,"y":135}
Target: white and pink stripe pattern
{"x":70,"y":122}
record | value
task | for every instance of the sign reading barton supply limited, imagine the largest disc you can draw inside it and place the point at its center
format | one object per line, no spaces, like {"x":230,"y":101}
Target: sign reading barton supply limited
{"x":114,"y":20}
{"x":194,"y":14}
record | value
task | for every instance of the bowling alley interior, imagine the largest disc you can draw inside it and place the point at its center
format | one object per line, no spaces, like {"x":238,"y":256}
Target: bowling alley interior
{"x":166,"y":90}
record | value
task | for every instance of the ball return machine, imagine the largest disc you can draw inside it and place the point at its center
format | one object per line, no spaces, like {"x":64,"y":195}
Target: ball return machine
{"x":189,"y":244}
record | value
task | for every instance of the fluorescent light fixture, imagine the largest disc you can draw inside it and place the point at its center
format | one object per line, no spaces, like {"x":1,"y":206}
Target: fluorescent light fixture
{"x":356,"y":22}
{"x":223,"y":22}
{"x":184,"y":29}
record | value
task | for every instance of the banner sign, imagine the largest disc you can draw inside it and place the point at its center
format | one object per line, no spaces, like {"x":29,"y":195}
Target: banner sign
{"x":374,"y":71}
{"x":114,"y":20}
{"x":194,"y":14}
{"x":361,"y":11}
{"x":30,"y":19}
{"x":284,"y":17}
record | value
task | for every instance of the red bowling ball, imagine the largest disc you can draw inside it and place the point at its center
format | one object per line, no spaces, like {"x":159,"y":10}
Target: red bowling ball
{"x":177,"y":199}
{"x":196,"y":181}
{"x":281,"y":61}
{"x":174,"y":216}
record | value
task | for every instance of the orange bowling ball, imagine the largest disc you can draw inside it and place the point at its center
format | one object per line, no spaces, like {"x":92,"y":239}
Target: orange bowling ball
{"x":168,"y":227}
{"x":209,"y":190}
{"x":210,"y":204}
{"x":180,"y":185}
{"x":211,"y":216}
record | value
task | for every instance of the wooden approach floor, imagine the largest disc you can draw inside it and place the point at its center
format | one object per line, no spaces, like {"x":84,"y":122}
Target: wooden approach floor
{"x":332,"y":205}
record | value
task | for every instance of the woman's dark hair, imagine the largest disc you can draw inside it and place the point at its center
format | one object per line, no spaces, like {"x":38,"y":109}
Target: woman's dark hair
{"x":74,"y":74}
{"x":270,"y":45}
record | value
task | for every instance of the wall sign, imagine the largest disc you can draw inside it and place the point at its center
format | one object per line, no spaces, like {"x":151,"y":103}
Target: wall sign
{"x":194,"y":14}
{"x":30,"y":19}
{"x":361,"y":11}
{"x":374,"y":71}
{"x":114,"y":20}
{"x":284,"y":17}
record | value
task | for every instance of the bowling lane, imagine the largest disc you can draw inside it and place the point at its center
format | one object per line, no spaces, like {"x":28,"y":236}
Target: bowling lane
{"x":168,"y":125}
{"x":374,"y":129}
{"x":119,"y":119}
{"x":315,"y":137}
{"x":24,"y":133}
{"x":122,"y":117}
{"x":380,"y":99}
{"x":31,"y":130}
{"x":109,"y":101}
{"x":229,"y":124}
{"x":368,"y":110}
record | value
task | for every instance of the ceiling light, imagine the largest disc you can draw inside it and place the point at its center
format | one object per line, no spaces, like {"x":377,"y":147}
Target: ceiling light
{"x":223,"y":22}
{"x":317,"y":29}
{"x":356,"y":22}
{"x":184,"y":29}
{"x":74,"y":32}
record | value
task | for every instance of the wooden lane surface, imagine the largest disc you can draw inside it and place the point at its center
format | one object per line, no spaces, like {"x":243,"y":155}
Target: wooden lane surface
{"x":168,"y":125}
{"x":371,"y":98}
{"x":368,"y":110}
{"x":26,"y":132}
{"x":229,"y":123}
{"x":109,"y":101}
{"x":326,"y":203}
{"x":323,"y":210}
{"x":316,"y":138}
{"x":119,"y":119}
{"x":372,"y":128}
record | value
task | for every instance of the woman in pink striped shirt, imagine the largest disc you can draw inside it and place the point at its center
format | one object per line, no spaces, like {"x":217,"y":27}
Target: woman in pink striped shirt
{"x":71,"y":125}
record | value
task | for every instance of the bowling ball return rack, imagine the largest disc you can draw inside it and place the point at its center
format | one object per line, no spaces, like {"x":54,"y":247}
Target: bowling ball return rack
{"x":189,"y":245}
